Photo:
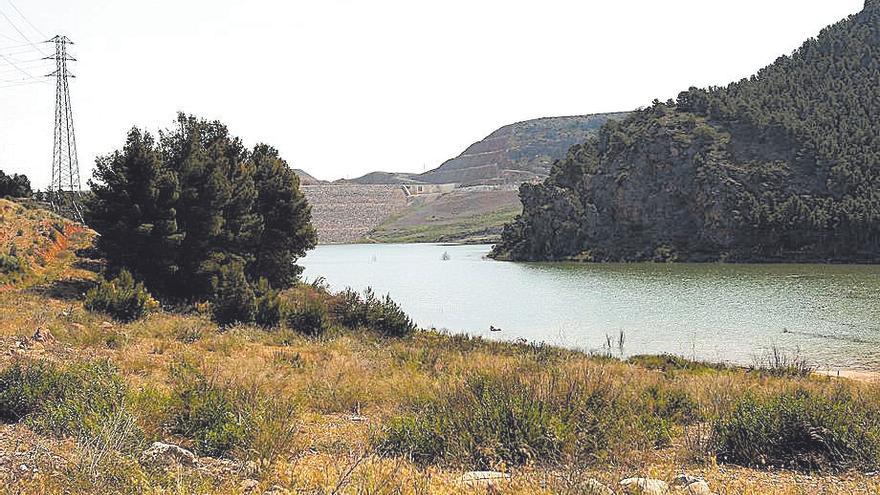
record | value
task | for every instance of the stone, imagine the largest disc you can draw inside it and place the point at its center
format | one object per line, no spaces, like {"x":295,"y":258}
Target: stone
{"x":162,"y":452}
{"x":644,"y":486}
{"x":249,"y":486}
{"x":594,"y":487}
{"x":699,"y":488}
{"x":106,"y":325}
{"x":488,"y":479}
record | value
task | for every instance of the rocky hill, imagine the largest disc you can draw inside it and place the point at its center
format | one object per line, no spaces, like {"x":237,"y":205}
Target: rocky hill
{"x":783,"y":166}
{"x":513,"y":154}
{"x":518,"y":152}
{"x":347,"y":210}
{"x":306,"y":179}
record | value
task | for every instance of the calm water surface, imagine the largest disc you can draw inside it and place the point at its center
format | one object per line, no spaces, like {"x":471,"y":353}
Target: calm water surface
{"x":829,"y":313}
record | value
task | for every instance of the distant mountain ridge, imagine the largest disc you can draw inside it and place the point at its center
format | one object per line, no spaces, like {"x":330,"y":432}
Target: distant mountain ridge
{"x":512,"y":154}
{"x":782,"y":166}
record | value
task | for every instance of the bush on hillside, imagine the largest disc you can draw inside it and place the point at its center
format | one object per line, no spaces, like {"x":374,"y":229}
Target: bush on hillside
{"x":74,"y":399}
{"x":307,"y":315}
{"x":11,"y":264}
{"x":800,"y":429}
{"x":224,"y":420}
{"x":380,"y":314}
{"x":385,"y":316}
{"x":349,"y":309}
{"x":15,"y":186}
{"x":206,"y":412}
{"x":122,"y":298}
{"x":494,"y":420}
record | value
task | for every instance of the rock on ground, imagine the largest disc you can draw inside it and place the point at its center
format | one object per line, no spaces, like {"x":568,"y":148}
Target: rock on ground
{"x":699,"y":488}
{"x":474,"y":479}
{"x":644,"y":486}
{"x":160,"y":452}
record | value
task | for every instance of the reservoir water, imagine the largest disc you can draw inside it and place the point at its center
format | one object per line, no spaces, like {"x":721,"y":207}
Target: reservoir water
{"x":829,"y":314}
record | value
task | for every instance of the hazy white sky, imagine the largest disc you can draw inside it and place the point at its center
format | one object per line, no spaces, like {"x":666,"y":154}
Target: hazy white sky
{"x":345,"y":87}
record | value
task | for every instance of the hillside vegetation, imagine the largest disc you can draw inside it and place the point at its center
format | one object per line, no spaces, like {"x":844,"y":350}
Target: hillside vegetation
{"x":518,"y":152}
{"x":783,"y":166}
{"x":464,"y":216}
{"x":248,"y":409}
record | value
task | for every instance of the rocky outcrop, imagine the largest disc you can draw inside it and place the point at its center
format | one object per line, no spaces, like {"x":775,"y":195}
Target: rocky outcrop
{"x":784,"y":166}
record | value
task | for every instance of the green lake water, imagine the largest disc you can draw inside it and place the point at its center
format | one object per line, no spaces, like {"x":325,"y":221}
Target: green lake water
{"x":830,"y":314}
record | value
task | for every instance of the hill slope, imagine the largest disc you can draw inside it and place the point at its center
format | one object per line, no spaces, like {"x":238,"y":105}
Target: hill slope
{"x":518,"y":152}
{"x":782,"y":166}
{"x":463,"y":215}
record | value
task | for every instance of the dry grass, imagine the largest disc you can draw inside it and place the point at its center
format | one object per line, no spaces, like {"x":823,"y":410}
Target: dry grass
{"x":347,"y":388}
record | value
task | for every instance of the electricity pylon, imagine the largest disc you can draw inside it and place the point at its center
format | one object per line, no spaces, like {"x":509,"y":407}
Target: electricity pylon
{"x":65,"y":188}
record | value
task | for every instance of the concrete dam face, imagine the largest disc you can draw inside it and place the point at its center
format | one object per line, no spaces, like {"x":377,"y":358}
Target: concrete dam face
{"x":344,"y":213}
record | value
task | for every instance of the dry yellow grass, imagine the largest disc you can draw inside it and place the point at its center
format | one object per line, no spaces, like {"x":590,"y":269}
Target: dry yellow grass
{"x":346,"y":386}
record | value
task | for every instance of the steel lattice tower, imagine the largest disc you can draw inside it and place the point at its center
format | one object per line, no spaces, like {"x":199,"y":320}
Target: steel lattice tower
{"x":65,"y":188}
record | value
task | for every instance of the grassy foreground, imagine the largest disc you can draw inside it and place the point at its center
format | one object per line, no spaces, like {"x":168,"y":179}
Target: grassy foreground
{"x":352,"y":412}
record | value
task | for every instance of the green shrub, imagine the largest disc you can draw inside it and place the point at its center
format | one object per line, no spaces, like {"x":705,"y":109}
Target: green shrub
{"x":670,"y":363}
{"x":380,"y":314}
{"x":386,"y":317}
{"x":494,"y":420}
{"x":268,"y":305}
{"x":234,"y":299}
{"x":10,"y":264}
{"x":122,"y":298}
{"x":779,"y":363}
{"x":75,"y":399}
{"x":350,"y":310}
{"x":206,"y":412}
{"x":223,"y":420}
{"x":307,"y":315}
{"x":800,"y":430}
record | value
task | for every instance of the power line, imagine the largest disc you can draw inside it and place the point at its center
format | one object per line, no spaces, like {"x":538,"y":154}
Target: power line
{"x":36,"y":30}
{"x":10,"y":62}
{"x":10,"y":38}
{"x":23,"y":83}
{"x":24,"y":36}
{"x":19,"y":45}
